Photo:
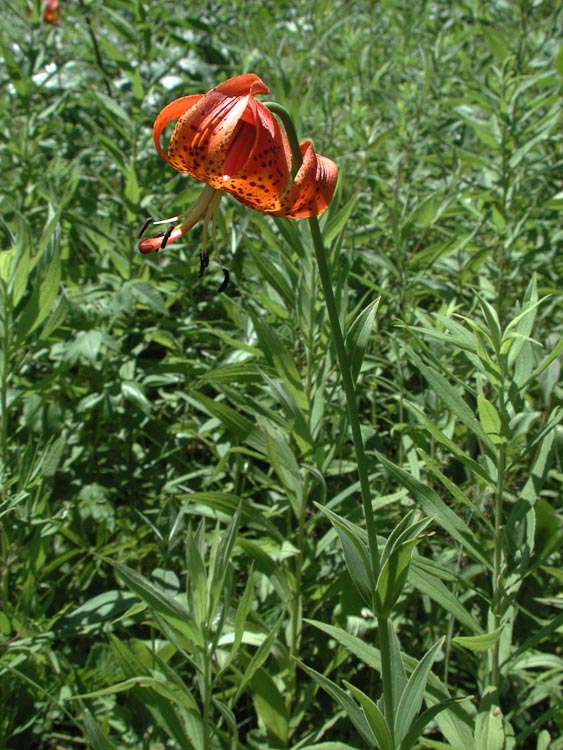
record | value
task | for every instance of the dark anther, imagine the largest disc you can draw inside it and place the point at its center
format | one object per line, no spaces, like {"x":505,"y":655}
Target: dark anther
{"x":143,"y":229}
{"x":166,"y":236}
{"x":203,"y":263}
{"x":226,"y":280}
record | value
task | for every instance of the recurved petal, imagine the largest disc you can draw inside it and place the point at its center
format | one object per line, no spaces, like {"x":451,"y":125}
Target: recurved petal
{"x":201,"y":137}
{"x":247,"y":83}
{"x":172,"y":111}
{"x":312,"y":188}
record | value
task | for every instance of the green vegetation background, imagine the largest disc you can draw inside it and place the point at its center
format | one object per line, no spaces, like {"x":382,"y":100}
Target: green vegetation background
{"x":137,"y":403}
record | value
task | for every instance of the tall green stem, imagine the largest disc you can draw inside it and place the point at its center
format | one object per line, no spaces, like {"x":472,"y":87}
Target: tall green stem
{"x":206,"y":692}
{"x":354,"y":419}
{"x":339,"y":346}
{"x":296,"y":605}
{"x":348,"y":385}
{"x":498,"y":557}
{"x":384,"y":629}
{"x":296,"y":601}
{"x":353,"y":415}
{"x":6,"y":346}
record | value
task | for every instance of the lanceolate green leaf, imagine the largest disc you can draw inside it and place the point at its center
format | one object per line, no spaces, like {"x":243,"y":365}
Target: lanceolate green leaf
{"x":225,"y":503}
{"x":489,"y":734}
{"x":284,"y":464}
{"x":161,"y":602}
{"x":259,"y":657}
{"x":168,"y":700}
{"x":337,"y":221}
{"x":242,"y":612}
{"x":270,"y":706}
{"x":142,"y":681}
{"x":356,"y":554}
{"x":392,"y":577}
{"x":94,"y":734}
{"x":453,"y":447}
{"x":281,"y":360}
{"x":434,"y":506}
{"x":232,"y":419}
{"x":359,"y":335}
{"x":197,"y":583}
{"x":395,"y":561}
{"x":353,"y":711}
{"x":421,"y":576}
{"x":546,"y":361}
{"x":396,"y":664}
{"x":455,"y":493}
{"x":374,"y":716}
{"x":219,"y":564}
{"x":479,"y":642}
{"x":21,"y":267}
{"x":453,"y":400}
{"x":413,"y":694}
{"x":274,"y":275}
{"x":455,"y":722}
{"x":422,"y":721}
{"x":490,"y":419}
{"x":42,"y":297}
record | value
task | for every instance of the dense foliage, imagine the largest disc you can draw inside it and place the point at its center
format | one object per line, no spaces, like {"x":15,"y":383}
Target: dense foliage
{"x":139,"y":408}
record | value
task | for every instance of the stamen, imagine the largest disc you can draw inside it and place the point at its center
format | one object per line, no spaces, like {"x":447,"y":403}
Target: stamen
{"x":147,"y":222}
{"x":203,"y":262}
{"x":166,"y":236}
{"x":205,"y":206}
{"x":225,"y":282}
{"x":214,"y":237}
{"x":166,"y":221}
{"x":209,"y":216}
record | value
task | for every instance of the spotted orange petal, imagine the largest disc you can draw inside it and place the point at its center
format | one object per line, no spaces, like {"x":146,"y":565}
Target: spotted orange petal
{"x":172,"y":111}
{"x":247,"y":83}
{"x":312,"y":188}
{"x":232,"y":142}
{"x":207,"y":121}
{"x":266,"y":172}
{"x":202,"y":135}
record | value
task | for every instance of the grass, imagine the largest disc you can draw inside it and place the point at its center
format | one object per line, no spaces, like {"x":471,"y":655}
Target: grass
{"x":183,"y":546}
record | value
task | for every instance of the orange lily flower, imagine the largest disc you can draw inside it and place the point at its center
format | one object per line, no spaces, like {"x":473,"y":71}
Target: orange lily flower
{"x":52,"y":12}
{"x":232,"y":142}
